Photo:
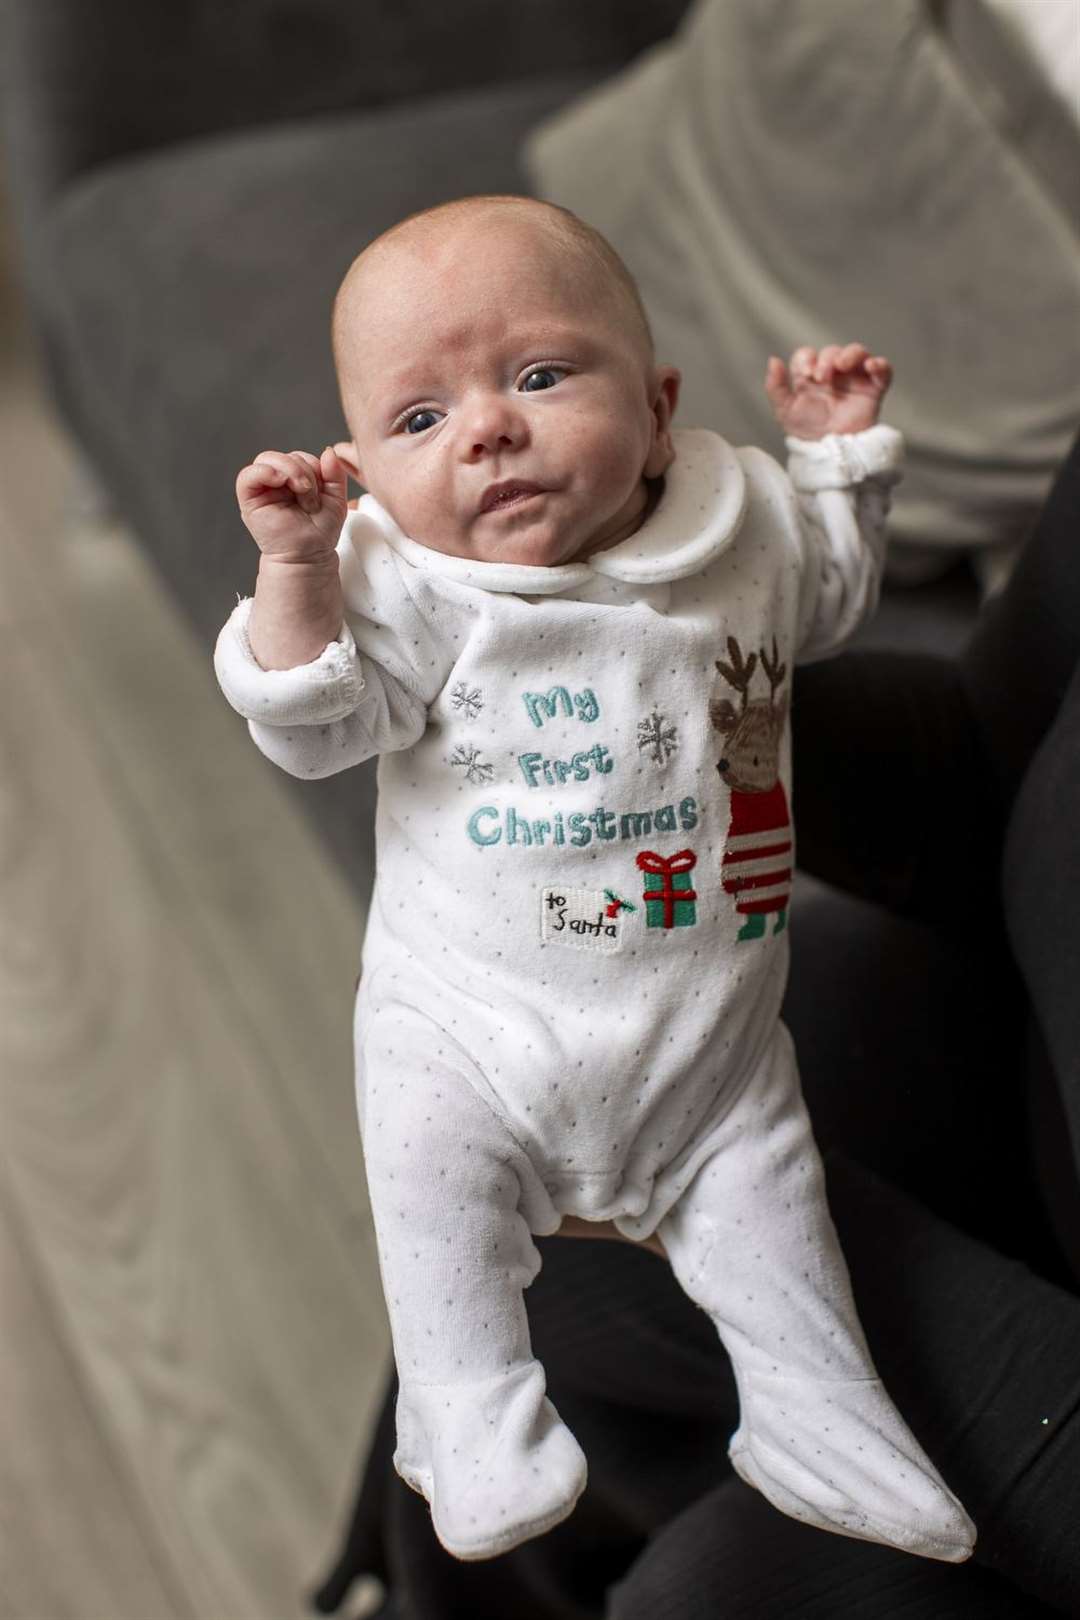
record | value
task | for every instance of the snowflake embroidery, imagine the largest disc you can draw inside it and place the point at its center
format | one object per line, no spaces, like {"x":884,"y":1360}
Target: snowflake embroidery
{"x":476,"y":771}
{"x":468,"y":703}
{"x":661,"y":740}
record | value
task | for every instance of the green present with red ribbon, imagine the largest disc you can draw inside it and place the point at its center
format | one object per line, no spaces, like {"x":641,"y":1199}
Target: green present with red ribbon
{"x":669,"y":897}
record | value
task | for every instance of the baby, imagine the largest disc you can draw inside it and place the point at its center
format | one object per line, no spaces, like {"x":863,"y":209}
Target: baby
{"x":568,"y":630}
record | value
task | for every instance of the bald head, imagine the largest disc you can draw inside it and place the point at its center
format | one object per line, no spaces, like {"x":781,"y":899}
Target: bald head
{"x":497,"y":338}
{"x":593,"y":273}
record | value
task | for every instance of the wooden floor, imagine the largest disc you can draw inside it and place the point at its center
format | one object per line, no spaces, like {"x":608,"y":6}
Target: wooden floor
{"x":192,"y":1334}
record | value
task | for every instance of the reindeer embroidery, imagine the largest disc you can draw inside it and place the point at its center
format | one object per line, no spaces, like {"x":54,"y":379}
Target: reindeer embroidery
{"x":757,"y":859}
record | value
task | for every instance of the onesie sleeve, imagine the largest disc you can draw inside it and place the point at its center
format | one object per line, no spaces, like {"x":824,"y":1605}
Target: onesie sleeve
{"x":366,"y":693}
{"x":842,"y":485}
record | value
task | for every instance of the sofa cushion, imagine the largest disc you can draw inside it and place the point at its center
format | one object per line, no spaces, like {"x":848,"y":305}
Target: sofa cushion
{"x":196,"y":287}
{"x":799,"y":171}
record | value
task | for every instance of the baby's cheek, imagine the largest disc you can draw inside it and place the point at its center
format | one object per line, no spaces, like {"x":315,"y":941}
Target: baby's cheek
{"x":426,"y":510}
{"x":617,"y":462}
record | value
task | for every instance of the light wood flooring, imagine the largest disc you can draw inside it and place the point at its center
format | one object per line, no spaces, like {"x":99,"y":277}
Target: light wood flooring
{"x":192,"y":1334}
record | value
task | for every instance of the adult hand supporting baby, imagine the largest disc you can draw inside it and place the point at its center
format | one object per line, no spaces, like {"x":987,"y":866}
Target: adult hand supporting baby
{"x":837,"y":389}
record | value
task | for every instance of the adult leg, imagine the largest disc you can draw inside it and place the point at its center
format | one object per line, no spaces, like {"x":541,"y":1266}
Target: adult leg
{"x":730,"y":1555}
{"x":985,"y":1356}
{"x":911,"y":1051}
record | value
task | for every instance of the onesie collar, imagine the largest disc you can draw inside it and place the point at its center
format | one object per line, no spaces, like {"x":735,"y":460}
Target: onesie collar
{"x":696,"y":518}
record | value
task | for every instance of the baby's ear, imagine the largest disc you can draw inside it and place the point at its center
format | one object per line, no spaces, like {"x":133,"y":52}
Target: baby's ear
{"x":665,"y":397}
{"x":346,"y":452}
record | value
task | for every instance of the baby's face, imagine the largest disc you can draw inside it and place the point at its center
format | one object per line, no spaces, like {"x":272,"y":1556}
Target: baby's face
{"x":503,"y":404}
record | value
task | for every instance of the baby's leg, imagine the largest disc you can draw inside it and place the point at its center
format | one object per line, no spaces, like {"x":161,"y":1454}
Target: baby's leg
{"x":476,"y":1434}
{"x":752,"y":1242}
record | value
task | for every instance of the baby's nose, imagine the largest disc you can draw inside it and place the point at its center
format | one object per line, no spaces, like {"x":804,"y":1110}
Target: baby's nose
{"x":490,"y":426}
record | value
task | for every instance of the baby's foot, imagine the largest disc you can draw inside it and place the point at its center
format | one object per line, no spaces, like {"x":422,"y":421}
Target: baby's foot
{"x":493,"y":1458}
{"x":838,"y":1455}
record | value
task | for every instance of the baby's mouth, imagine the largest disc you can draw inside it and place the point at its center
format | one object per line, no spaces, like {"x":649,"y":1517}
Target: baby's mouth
{"x":509,"y":493}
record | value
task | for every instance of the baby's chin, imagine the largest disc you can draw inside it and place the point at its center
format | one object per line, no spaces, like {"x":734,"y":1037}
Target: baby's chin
{"x":528,"y":551}
{"x":523,"y":548}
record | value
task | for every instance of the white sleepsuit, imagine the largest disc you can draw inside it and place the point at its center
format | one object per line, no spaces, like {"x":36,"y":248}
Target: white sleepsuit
{"x":574,"y":964}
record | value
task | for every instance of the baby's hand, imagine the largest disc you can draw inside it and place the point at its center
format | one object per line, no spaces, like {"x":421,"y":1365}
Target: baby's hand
{"x":293,"y":504}
{"x":836,"y":390}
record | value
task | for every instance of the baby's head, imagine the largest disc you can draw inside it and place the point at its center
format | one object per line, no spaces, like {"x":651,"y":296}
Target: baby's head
{"x":497,"y":375}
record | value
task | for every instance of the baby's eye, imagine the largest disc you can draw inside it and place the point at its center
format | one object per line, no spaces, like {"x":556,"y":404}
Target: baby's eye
{"x":542,"y":377}
{"x":420,"y":421}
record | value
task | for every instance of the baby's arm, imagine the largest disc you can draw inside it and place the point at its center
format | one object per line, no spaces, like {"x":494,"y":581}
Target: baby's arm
{"x":293,"y":506}
{"x":331,"y":662}
{"x":842,"y":464}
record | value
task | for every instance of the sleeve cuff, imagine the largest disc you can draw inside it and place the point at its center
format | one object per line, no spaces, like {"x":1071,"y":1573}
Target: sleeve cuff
{"x":841,"y":459}
{"x":327,"y":688}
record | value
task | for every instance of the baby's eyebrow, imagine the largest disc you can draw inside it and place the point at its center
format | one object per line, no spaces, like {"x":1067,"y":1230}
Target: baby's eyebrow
{"x":555,"y":338}
{"x":543,"y":342}
{"x":518,"y":348}
{"x":406,"y":388}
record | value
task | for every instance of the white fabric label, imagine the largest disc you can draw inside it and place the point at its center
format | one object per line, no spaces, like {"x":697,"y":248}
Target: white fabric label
{"x":584,"y":919}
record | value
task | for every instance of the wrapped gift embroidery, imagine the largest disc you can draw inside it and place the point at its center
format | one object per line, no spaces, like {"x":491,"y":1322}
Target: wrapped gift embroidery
{"x":668,"y":895}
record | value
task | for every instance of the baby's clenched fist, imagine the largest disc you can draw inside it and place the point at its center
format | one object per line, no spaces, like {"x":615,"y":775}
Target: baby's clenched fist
{"x":293,"y":503}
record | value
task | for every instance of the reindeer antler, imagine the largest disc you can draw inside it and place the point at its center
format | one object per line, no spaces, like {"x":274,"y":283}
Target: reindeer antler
{"x":774,"y":670}
{"x":738,"y":672}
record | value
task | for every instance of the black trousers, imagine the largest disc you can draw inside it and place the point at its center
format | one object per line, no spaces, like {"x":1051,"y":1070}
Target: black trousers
{"x":936,"y":1012}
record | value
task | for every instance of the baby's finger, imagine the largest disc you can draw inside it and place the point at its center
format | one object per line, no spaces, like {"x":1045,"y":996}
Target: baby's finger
{"x":258,"y":475}
{"x":261,"y":477}
{"x":274,"y":458}
{"x":284,"y":471}
{"x":880,"y":369}
{"x":296,"y":476}
{"x":852,"y":355}
{"x":803,"y":362}
{"x":777,"y":383}
{"x":345,"y":452}
{"x":305,"y":481}
{"x":335,"y":474}
{"x":826,"y":363}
